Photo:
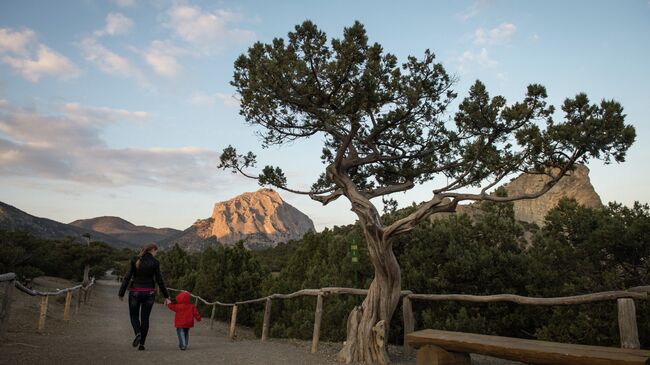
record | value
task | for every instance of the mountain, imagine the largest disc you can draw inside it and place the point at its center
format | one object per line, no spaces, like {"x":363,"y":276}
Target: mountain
{"x":14,"y":219}
{"x":195,"y":238}
{"x":261,"y":219}
{"x":574,"y":186}
{"x":125,"y":230}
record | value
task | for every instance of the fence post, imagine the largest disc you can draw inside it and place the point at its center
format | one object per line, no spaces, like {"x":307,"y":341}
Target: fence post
{"x":41,"y":317}
{"x":5,"y":307}
{"x":267,"y":318}
{"x":409,"y":321}
{"x":76,"y":310}
{"x":233,"y":322}
{"x":66,"y":308}
{"x":318,"y":315}
{"x":627,"y":323}
{"x":214,"y":307}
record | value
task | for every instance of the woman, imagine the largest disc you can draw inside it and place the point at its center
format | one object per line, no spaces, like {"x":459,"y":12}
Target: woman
{"x":144,"y":273}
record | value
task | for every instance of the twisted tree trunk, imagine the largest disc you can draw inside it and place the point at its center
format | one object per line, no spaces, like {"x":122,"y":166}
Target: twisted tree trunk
{"x":368,"y":324}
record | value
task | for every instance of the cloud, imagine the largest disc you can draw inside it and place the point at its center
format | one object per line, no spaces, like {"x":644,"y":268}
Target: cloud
{"x":203,"y":99}
{"x":473,"y":10}
{"x":109,"y":61}
{"x":16,"y":42}
{"x":207,"y":29}
{"x":501,"y":35}
{"x":535,"y":38}
{"x":228,"y":100}
{"x":67,"y":145}
{"x":32,"y":59}
{"x":482,"y":58}
{"x":116,"y":24}
{"x":161,"y":56}
{"x":124,"y":3}
{"x":45,"y":62}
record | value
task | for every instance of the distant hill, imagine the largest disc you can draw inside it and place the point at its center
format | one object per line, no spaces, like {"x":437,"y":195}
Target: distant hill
{"x":195,"y":238}
{"x":14,"y":219}
{"x":125,"y":230}
{"x":261,"y":219}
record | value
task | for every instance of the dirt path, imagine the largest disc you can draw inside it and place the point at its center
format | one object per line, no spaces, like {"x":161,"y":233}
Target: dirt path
{"x":100,"y":333}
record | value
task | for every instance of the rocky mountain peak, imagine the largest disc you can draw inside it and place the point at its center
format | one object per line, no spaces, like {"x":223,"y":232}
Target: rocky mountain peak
{"x":574,"y":186}
{"x":259,"y":218}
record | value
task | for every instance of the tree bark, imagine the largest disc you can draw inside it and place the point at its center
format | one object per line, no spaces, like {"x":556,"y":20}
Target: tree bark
{"x":368,"y":324}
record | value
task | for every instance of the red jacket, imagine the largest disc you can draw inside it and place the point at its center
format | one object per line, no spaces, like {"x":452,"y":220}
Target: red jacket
{"x":185,"y":311}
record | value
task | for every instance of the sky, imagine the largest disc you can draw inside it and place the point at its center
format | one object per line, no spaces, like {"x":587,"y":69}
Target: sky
{"x":121,"y":107}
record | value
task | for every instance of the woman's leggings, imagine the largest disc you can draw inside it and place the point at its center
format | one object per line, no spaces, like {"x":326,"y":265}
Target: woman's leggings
{"x":140,"y":305}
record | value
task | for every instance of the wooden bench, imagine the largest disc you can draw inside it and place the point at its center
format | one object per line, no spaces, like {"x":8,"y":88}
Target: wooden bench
{"x":453,"y":348}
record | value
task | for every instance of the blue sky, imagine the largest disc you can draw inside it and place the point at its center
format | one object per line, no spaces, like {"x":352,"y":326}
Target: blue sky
{"x":121,"y":107}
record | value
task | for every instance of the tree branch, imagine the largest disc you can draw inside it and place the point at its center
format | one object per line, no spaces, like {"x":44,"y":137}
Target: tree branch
{"x":327,"y":198}
{"x":373,"y":193}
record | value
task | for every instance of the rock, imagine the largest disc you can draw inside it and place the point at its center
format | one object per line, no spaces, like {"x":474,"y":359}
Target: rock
{"x":575,"y":186}
{"x":261,"y":219}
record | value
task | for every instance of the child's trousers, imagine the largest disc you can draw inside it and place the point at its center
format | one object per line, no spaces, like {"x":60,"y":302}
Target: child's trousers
{"x":183,"y":337}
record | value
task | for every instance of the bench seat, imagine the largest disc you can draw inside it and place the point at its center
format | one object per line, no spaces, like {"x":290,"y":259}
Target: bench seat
{"x":530,"y":351}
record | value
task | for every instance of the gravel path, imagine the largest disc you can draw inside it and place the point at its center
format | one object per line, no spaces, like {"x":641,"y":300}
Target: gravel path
{"x":101,"y":334}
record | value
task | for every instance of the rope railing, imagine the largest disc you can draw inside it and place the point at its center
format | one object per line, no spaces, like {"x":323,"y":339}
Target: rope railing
{"x":9,"y":281}
{"x":625,"y":306}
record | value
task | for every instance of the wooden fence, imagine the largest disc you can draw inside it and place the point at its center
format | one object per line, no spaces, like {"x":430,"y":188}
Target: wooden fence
{"x":9,"y":281}
{"x":625,"y":305}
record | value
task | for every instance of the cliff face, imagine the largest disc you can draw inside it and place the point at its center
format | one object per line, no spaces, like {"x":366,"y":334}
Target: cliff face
{"x":575,"y":186}
{"x":261,"y":219}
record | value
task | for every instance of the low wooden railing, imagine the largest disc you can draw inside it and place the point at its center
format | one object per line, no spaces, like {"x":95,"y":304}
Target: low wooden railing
{"x":9,"y":281}
{"x":625,"y":305}
{"x":629,"y":335}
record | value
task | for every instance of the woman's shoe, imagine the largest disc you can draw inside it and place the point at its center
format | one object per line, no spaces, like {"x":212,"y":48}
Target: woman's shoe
{"x":136,"y":340}
{"x":141,"y":347}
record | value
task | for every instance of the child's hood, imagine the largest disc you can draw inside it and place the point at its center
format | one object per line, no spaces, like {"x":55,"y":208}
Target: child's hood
{"x":183,"y":298}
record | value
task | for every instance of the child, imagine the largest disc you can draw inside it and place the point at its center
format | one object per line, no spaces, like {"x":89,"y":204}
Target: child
{"x":185,"y":314}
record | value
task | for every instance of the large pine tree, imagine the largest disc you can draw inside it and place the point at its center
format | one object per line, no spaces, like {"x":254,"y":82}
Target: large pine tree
{"x":385,"y":129}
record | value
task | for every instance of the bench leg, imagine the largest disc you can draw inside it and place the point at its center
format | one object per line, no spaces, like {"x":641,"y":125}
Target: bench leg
{"x":434,"y":355}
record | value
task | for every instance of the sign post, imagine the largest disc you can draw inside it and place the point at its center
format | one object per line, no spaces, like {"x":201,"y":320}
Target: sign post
{"x":354,"y":253}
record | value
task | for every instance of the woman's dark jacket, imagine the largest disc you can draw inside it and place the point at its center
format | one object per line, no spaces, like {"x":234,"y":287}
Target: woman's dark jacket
{"x":144,"y":276}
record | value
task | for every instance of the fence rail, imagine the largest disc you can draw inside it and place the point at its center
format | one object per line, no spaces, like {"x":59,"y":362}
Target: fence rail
{"x":625,"y":306}
{"x":9,"y":281}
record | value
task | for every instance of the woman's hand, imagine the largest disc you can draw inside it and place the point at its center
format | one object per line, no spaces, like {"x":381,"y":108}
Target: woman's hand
{"x":121,"y":298}
{"x":167,"y":301}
